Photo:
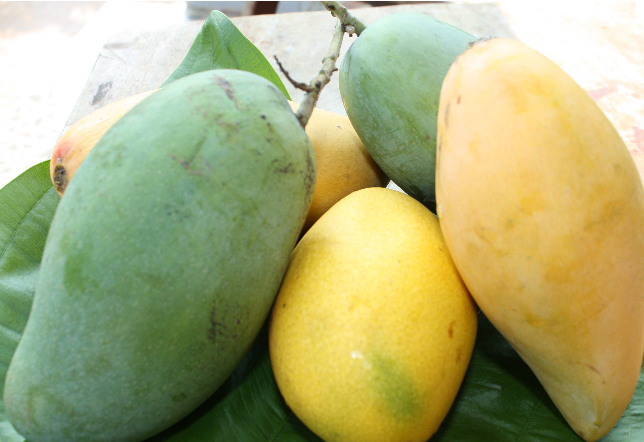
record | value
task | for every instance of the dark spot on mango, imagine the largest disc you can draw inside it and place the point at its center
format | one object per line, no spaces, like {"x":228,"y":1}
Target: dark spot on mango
{"x":285,"y":169}
{"x":179,"y":397}
{"x":617,"y":168}
{"x":202,"y":112}
{"x":216,"y":328}
{"x":60,"y":178}
{"x":228,"y":89}
{"x":450,"y":329}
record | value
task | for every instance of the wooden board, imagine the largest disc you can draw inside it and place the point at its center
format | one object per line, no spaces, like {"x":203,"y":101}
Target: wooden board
{"x":599,"y":44}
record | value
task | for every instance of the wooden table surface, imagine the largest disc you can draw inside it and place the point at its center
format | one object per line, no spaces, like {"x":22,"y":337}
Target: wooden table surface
{"x":600,"y":44}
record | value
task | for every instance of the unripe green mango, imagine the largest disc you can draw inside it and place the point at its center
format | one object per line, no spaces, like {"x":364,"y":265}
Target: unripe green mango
{"x":390,"y":82}
{"x":162,"y":261}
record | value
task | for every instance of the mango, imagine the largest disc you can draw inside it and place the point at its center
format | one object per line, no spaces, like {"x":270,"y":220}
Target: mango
{"x":162,"y":261}
{"x":373,"y":329}
{"x":390,"y":81}
{"x":343,"y":163}
{"x":542,"y":209}
{"x":75,"y":143}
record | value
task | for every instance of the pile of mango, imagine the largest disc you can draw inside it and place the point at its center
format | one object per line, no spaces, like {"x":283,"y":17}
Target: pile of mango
{"x":203,"y":208}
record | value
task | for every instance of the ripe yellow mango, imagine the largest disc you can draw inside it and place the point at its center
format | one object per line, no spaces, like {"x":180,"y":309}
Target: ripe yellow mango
{"x":81,"y":137}
{"x":344,"y":165}
{"x":372,"y":330}
{"x":542,"y":209}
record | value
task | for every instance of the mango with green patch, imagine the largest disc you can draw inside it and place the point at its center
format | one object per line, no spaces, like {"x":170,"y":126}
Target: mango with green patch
{"x":373,"y":329}
{"x":162,"y":261}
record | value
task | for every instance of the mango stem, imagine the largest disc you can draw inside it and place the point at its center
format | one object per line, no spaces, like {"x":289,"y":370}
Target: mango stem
{"x":314,"y":88}
{"x":345,"y":17}
{"x":324,"y":76}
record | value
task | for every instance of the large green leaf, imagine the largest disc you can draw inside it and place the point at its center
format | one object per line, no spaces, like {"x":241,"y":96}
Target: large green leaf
{"x":220,"y":45}
{"x":27,"y":206}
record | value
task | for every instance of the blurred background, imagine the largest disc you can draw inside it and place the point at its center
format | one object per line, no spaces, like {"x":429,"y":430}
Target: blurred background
{"x":48,"y":49}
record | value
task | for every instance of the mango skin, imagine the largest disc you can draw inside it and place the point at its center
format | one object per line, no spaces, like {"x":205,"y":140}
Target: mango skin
{"x":343,"y":163}
{"x":542,"y":209}
{"x":76,"y":142}
{"x":162,"y":261}
{"x":390,"y":81}
{"x":373,"y":329}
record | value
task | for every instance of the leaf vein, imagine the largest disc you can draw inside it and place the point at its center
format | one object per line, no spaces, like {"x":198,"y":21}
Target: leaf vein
{"x":523,"y":430}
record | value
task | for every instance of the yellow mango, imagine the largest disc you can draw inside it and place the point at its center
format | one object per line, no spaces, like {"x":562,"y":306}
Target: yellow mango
{"x":372,"y":330}
{"x":542,"y":210}
{"x":76,"y":142}
{"x":344,"y":165}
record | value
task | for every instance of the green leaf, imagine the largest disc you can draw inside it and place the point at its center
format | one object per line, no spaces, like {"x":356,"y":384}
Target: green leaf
{"x":27,"y":206}
{"x":220,"y":45}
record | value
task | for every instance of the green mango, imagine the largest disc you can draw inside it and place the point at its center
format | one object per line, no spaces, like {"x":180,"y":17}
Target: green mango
{"x":162,"y":261}
{"x":390,"y":82}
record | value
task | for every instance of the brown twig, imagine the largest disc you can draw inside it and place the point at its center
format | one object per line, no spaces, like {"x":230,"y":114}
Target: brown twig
{"x":346,"y":23}
{"x":324,"y":76}
{"x":316,"y":85}
{"x":303,"y":86}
